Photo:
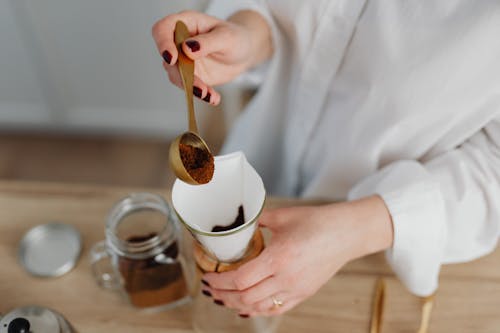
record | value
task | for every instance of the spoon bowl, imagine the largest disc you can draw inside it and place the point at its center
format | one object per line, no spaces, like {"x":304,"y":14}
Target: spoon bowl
{"x":176,"y":164}
{"x":190,"y":138}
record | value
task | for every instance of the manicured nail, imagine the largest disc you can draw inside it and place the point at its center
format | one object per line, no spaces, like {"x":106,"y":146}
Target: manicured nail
{"x":205,"y":283}
{"x":193,"y":45}
{"x":167,"y":57}
{"x":207,"y":98}
{"x":218,"y":302}
{"x":197,"y":92}
{"x":242,"y":315}
{"x":207,"y":293}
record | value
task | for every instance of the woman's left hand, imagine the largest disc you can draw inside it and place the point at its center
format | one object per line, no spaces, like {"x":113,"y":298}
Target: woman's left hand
{"x":308,"y":246}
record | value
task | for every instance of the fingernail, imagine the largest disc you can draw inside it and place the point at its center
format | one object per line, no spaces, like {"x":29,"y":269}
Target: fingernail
{"x":205,"y":283}
{"x":193,"y":45}
{"x":207,"y":98}
{"x":218,"y":302}
{"x":207,"y":293}
{"x":167,"y":57}
{"x":242,"y":315}
{"x":197,"y":92}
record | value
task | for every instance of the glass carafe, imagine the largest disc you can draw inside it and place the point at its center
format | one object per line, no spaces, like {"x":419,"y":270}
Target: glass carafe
{"x":210,"y":318}
{"x":235,"y":193}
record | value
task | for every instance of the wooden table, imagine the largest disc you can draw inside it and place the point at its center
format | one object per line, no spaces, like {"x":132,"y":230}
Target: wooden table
{"x":468,"y":299}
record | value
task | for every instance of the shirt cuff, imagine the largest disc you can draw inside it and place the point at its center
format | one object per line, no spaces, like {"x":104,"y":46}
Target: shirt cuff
{"x":417,"y":208}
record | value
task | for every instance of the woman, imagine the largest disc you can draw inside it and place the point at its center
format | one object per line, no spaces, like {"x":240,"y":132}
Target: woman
{"x":391,"y":106}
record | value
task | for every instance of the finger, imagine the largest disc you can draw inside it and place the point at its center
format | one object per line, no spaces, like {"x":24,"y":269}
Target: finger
{"x":246,"y":299}
{"x":246,"y":276}
{"x":200,"y":89}
{"x":273,"y":310}
{"x":275,"y":218}
{"x":173,"y":75}
{"x":212,"y":96}
{"x":216,"y":40}
{"x":267,"y":304}
{"x":205,"y":92}
{"x":271,"y":218}
{"x":163,"y":31}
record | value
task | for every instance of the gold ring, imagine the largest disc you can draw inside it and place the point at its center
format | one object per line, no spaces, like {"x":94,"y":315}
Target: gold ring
{"x":277,"y":302}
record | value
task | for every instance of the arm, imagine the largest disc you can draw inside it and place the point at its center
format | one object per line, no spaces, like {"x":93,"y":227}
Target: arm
{"x":308,"y":246}
{"x":445,"y":210}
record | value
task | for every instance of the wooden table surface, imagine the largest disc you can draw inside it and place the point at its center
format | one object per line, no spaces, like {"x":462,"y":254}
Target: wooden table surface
{"x":468,"y":299}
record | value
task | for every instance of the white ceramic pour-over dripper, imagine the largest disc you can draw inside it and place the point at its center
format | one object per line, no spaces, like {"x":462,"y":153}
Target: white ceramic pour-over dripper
{"x":201,"y":207}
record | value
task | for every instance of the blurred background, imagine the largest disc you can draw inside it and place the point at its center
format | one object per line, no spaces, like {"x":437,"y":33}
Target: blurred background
{"x":84,"y":97}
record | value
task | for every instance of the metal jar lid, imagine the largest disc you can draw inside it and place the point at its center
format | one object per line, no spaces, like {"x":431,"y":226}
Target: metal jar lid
{"x":50,"y":250}
{"x":34,"y":319}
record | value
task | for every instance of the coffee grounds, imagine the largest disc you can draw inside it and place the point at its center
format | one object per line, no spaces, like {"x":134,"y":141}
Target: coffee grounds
{"x":240,"y":220}
{"x":140,"y":239}
{"x":149,"y":282}
{"x":198,"y":163}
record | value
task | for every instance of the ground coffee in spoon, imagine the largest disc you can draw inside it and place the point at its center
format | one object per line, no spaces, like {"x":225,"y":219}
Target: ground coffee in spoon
{"x":198,"y":163}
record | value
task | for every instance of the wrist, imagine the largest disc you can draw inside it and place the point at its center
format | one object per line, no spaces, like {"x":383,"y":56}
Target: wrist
{"x":259,"y":35}
{"x":365,"y":226}
{"x":372,"y":225}
{"x":358,"y":228}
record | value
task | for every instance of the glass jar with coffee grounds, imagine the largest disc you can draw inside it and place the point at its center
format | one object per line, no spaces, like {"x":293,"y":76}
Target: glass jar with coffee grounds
{"x":142,"y":255}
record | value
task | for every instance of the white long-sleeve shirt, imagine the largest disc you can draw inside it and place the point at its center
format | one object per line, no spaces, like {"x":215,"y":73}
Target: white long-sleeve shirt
{"x":398,"y":98}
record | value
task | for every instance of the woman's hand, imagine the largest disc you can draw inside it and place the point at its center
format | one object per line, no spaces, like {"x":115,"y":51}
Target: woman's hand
{"x":308,"y":246}
{"x":222,"y":49}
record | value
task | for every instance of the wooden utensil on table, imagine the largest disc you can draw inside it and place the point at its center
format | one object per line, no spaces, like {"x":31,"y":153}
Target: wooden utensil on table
{"x":427,"y":305}
{"x":378,"y":309}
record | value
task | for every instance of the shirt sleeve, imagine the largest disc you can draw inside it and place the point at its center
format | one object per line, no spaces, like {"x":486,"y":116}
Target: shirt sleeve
{"x":445,"y":210}
{"x":223,"y":9}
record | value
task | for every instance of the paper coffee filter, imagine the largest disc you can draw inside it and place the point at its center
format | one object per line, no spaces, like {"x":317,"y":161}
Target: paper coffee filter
{"x":235,"y":182}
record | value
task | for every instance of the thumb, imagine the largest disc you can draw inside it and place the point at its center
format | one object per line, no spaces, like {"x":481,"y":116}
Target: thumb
{"x":272,"y":218}
{"x":216,"y":40}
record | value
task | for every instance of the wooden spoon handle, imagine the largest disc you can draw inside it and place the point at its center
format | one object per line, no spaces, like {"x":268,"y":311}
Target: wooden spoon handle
{"x":427,"y":305}
{"x":378,"y":307}
{"x":186,"y":69}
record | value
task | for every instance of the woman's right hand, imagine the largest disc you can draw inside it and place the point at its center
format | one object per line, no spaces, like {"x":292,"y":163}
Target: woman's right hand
{"x":222,"y":49}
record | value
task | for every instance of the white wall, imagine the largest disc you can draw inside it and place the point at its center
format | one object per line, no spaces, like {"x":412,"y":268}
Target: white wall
{"x":87,"y":65}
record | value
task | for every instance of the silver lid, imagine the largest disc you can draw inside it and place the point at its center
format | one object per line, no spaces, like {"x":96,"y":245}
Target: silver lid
{"x":50,"y":250}
{"x":34,"y":319}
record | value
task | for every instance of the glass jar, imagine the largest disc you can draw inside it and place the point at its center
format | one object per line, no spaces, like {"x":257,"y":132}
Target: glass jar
{"x":142,"y":255}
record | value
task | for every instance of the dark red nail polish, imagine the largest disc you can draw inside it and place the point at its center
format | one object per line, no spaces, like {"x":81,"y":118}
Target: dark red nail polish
{"x":242,"y":315}
{"x":167,"y":57}
{"x":206,"y":293}
{"x":218,"y":302}
{"x":197,"y":92}
{"x":193,"y":45}
{"x":207,"y":98}
{"x":203,"y":281}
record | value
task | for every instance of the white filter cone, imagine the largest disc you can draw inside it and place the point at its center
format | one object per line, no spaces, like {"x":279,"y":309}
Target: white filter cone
{"x":201,"y":207}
